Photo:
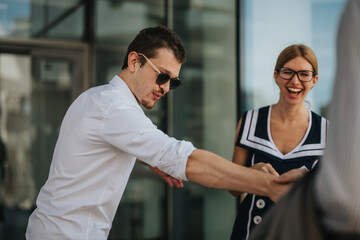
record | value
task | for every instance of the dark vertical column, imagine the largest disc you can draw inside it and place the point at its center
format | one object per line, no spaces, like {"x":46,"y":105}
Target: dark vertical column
{"x":239,"y":58}
{"x":168,"y":215}
{"x":89,"y":37}
{"x":89,"y":21}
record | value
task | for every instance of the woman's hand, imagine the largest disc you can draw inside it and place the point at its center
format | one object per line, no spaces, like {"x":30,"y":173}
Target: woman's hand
{"x":291,"y":176}
{"x":265,"y":167}
{"x":284,"y":182}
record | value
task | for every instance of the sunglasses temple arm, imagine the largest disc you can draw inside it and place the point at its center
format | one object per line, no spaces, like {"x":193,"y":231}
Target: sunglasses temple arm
{"x":151,"y":64}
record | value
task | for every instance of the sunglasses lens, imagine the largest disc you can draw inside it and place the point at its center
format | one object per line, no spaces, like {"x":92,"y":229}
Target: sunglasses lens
{"x":162,"y":78}
{"x":174,"y":83}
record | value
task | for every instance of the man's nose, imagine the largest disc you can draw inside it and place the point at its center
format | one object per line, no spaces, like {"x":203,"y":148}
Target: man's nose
{"x":165,"y":87}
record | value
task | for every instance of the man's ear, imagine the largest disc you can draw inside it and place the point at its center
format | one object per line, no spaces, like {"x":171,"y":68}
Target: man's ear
{"x":132,"y":60}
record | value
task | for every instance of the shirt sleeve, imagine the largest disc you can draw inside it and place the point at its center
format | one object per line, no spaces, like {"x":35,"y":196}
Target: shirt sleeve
{"x":127,"y":128}
{"x":337,"y":184}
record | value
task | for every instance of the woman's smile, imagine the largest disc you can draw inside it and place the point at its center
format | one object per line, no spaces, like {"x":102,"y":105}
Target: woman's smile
{"x":293,"y":90}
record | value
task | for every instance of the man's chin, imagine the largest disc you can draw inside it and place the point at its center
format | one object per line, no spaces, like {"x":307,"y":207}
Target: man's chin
{"x":149,"y":105}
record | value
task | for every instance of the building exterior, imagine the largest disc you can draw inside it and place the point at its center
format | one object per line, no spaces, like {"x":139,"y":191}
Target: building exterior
{"x":50,"y":51}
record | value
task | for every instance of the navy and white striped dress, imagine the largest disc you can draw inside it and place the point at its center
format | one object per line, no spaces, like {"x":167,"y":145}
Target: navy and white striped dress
{"x":255,"y":136}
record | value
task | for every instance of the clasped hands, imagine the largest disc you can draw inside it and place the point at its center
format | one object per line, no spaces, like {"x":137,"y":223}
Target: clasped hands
{"x":283,"y":182}
{"x":288,"y":177}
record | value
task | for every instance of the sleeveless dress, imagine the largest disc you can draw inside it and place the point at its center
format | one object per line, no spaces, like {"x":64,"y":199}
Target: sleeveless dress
{"x":255,"y":136}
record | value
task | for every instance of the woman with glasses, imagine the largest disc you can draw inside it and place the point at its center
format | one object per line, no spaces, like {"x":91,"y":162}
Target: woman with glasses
{"x":280,"y":137}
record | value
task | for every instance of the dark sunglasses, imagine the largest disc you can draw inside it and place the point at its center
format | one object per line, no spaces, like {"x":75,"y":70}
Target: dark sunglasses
{"x":163,"y":77}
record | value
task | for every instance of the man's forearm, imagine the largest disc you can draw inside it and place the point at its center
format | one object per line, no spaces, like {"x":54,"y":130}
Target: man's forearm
{"x":211,"y":170}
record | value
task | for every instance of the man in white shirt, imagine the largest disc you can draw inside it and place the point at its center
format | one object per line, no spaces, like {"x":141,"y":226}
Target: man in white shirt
{"x":103,"y":133}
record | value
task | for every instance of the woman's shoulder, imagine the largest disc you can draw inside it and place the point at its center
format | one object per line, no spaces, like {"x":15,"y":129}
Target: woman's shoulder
{"x":258,"y":115}
{"x":261,"y":109}
{"x":318,"y":117}
{"x":319,"y":123}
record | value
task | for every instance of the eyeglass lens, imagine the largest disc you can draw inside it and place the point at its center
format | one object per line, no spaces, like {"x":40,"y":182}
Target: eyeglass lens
{"x":304,"y":75}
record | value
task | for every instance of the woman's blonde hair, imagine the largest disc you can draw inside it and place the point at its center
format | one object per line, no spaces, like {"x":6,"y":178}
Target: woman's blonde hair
{"x":297,"y":50}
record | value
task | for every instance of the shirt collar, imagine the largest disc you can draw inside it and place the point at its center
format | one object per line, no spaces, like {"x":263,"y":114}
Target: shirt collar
{"x":119,"y":83}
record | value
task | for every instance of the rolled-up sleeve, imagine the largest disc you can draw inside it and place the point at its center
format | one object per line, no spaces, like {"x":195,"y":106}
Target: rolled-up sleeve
{"x":127,"y":128}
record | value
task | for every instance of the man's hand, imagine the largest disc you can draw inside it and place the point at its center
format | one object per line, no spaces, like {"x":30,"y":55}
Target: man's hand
{"x":291,"y":176}
{"x":171,"y":181}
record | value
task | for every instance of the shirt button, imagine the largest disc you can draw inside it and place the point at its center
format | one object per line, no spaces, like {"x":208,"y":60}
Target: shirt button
{"x":257,"y":219}
{"x":260,"y":203}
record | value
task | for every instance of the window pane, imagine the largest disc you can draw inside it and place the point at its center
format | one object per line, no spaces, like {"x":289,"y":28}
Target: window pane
{"x":35,"y":93}
{"x":117,"y":22}
{"x":205,"y":110}
{"x":42,"y":19}
{"x":15,"y":18}
{"x":17,"y":185}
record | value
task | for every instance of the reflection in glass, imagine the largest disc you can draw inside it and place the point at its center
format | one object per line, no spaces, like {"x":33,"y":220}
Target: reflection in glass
{"x":51,"y":96}
{"x":42,"y":19}
{"x":15,"y":18}
{"x":141,"y":212}
{"x":35,"y":93}
{"x":17,"y":193}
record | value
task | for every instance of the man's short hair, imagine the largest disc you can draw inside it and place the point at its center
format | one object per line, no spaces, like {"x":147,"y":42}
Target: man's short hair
{"x":149,"y":40}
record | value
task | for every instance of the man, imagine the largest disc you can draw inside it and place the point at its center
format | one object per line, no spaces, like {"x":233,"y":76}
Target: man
{"x":103,"y":133}
{"x":326,"y":203}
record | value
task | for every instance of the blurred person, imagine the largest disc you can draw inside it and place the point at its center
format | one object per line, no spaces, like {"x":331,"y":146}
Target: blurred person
{"x":325,"y":204}
{"x":280,"y":137}
{"x":3,"y":160}
{"x":103,"y":133}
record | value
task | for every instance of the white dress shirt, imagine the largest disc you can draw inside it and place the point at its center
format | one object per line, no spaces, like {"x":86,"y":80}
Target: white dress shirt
{"x":102,"y":134}
{"x":337,"y":188}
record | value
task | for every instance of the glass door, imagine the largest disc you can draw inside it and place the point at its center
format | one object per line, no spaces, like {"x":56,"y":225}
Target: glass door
{"x":37,"y":84}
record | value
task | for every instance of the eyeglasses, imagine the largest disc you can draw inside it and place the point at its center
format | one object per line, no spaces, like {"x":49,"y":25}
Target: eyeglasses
{"x":163,"y":77}
{"x":303,"y":75}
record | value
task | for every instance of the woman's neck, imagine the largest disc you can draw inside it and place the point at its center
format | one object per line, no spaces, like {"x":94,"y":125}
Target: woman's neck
{"x":290,"y":113}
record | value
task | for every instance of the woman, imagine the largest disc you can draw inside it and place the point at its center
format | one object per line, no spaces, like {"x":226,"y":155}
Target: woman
{"x":282,"y":136}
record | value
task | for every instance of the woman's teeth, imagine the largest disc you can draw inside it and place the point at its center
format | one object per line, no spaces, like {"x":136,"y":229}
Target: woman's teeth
{"x":295,"y":90}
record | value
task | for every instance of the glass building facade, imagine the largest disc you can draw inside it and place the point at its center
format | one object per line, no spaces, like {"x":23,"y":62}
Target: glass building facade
{"x":51,"y":51}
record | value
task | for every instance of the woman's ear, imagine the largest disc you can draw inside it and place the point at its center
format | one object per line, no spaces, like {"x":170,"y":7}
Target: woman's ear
{"x":315,"y":79}
{"x":276,"y":74}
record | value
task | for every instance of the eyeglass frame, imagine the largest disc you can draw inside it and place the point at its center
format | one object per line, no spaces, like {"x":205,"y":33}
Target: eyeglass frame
{"x":297,"y":73}
{"x":163,"y":78}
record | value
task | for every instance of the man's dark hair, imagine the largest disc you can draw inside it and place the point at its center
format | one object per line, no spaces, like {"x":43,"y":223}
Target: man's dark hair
{"x":149,"y":40}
